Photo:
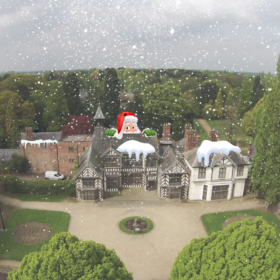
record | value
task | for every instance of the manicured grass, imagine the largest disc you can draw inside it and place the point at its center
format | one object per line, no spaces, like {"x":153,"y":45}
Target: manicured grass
{"x":214,"y":222}
{"x":222,"y":126}
{"x":200,"y":131}
{"x":45,"y":198}
{"x":10,"y":249}
{"x":147,"y":229}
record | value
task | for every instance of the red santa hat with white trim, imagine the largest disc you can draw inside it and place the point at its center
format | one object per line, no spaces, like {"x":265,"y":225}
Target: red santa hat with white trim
{"x":122,"y":118}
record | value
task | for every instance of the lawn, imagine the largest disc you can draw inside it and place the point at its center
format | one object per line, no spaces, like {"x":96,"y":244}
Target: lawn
{"x":45,"y":198}
{"x":222,"y":125}
{"x":200,"y":131}
{"x":214,"y":222}
{"x":58,"y":221}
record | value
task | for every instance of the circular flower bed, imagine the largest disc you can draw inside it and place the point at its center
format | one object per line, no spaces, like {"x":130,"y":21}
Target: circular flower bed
{"x":129,"y":224}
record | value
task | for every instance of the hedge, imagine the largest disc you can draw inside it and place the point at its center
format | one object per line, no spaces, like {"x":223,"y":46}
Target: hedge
{"x":14,"y":185}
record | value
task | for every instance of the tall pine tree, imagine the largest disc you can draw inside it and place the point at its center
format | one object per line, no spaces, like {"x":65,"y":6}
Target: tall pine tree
{"x":110,"y":101}
{"x":258,"y":90}
{"x":266,"y":162}
{"x":245,"y":97}
{"x":219,"y":106}
{"x":11,"y":124}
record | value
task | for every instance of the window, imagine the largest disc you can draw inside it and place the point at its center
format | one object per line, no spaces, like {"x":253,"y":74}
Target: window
{"x":175,"y":179}
{"x":71,"y":149}
{"x":112,"y":162}
{"x":131,"y":162}
{"x":205,"y":188}
{"x":240,"y":170}
{"x":71,"y":160}
{"x":222,"y":172}
{"x":132,"y":179}
{"x":87,"y":183}
{"x":201,"y":172}
{"x":84,"y":148}
{"x":151,"y":162}
{"x":112,"y":183}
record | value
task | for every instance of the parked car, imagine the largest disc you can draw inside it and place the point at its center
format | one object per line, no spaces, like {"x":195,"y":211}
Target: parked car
{"x":53,"y":175}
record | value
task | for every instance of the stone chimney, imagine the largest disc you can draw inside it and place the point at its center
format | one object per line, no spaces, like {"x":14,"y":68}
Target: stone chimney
{"x":29,"y":133}
{"x":249,"y":149}
{"x":191,"y":139}
{"x":213,"y":135}
{"x":166,"y":132}
{"x":239,"y":142}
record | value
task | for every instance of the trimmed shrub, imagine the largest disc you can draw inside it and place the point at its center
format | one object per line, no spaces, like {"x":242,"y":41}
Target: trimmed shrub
{"x":14,"y":185}
{"x":243,"y":250}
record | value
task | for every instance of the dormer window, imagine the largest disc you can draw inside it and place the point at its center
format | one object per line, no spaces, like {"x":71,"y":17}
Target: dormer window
{"x":240,"y":170}
{"x":201,"y":172}
{"x":222,"y":172}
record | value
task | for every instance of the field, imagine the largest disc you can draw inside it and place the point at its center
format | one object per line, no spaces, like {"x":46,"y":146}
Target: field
{"x":200,"y":131}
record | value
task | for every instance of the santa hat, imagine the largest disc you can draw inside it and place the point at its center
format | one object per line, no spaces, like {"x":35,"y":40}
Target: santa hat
{"x":123,"y":117}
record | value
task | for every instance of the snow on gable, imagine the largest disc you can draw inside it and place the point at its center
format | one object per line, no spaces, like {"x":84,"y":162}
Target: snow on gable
{"x":208,"y":147}
{"x":133,"y":146}
{"x":38,"y":142}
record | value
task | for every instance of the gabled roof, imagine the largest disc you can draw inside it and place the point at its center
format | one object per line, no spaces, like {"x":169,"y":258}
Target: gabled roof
{"x":111,"y":150}
{"x":170,"y":158}
{"x":99,"y":115}
{"x":44,"y":136}
{"x":235,"y":158}
{"x":5,"y":154}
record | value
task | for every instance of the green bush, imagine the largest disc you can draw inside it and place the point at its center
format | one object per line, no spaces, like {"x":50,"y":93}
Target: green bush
{"x":18,"y":163}
{"x":243,"y":250}
{"x":67,"y":257}
{"x":13,"y":185}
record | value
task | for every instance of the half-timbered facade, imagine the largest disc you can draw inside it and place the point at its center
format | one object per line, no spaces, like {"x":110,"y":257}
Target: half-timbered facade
{"x":172,"y":170}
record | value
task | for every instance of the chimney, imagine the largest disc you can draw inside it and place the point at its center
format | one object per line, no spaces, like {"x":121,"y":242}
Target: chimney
{"x":213,"y":135}
{"x":198,"y":139}
{"x":191,"y":139}
{"x":29,"y":133}
{"x":188,"y":126}
{"x":249,"y":149}
{"x":239,"y":142}
{"x":166,"y":132}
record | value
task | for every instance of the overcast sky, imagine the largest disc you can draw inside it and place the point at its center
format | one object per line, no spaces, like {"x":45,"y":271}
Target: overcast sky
{"x":198,"y":34}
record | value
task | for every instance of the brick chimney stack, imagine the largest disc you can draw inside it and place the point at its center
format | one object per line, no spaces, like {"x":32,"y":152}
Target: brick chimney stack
{"x":239,"y":142}
{"x":29,"y":133}
{"x":188,"y":126}
{"x":166,"y":132}
{"x":249,"y":149}
{"x":213,"y":135}
{"x":191,"y":139}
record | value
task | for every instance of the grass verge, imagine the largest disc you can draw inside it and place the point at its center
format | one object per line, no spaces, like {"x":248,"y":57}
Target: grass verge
{"x":214,"y":222}
{"x":45,"y":198}
{"x":10,"y":249}
{"x":147,"y":229}
{"x":200,"y":131}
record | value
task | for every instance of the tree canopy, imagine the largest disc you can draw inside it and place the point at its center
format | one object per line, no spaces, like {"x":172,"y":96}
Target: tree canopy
{"x":265,"y":175}
{"x":243,"y":250}
{"x":67,"y":257}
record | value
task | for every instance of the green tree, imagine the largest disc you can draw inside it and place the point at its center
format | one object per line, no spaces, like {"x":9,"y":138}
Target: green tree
{"x":208,"y":92}
{"x":245,"y":97}
{"x":110,"y":100}
{"x":56,"y":112}
{"x":243,"y":250}
{"x":219,"y":106}
{"x":209,"y":112}
{"x":27,"y":116}
{"x":265,"y":175}
{"x":18,"y":163}
{"x":249,"y":120}
{"x":258,"y":90}
{"x":71,"y":90}
{"x":232,"y":116}
{"x":67,"y":257}
{"x":11,"y":124}
{"x":164,"y":104}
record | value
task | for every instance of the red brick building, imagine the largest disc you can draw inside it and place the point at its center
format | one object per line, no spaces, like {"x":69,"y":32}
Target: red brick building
{"x":53,"y":151}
